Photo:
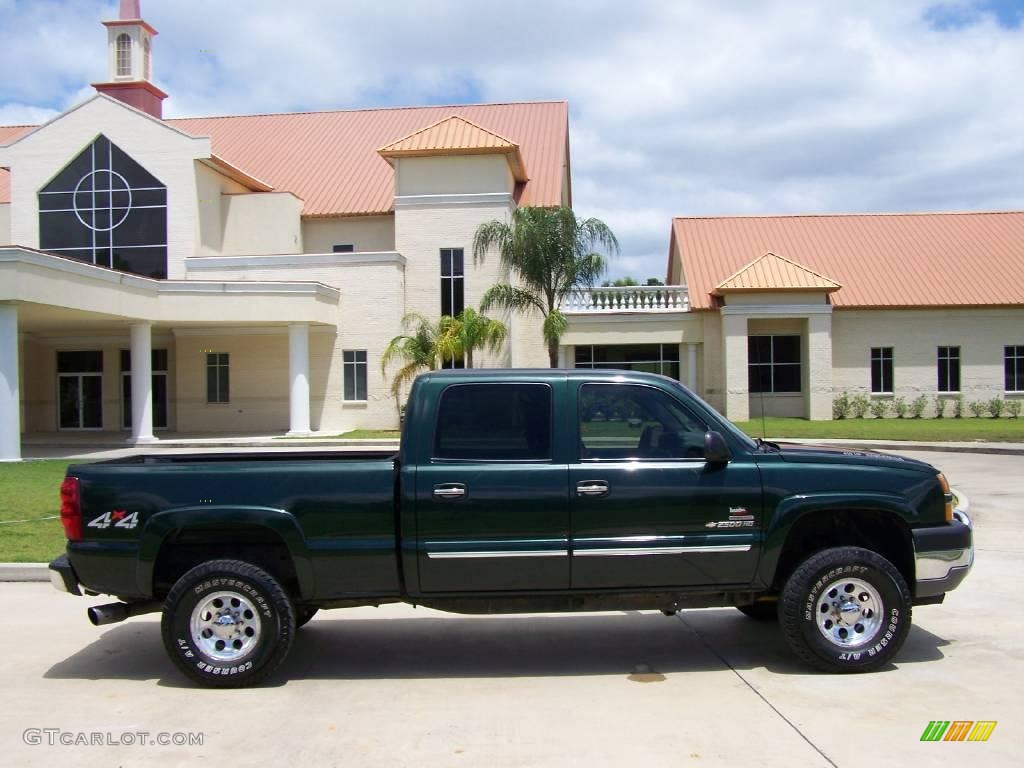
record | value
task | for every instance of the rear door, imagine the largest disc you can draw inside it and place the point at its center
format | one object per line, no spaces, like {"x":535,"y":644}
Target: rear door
{"x":492,"y":505}
{"x":647,"y":509}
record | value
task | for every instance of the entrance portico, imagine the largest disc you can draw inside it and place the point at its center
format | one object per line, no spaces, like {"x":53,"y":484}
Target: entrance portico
{"x":64,"y":320}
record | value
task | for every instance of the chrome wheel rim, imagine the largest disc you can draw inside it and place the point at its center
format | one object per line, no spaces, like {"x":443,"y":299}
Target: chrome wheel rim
{"x":849,"y":613}
{"x":225,"y":626}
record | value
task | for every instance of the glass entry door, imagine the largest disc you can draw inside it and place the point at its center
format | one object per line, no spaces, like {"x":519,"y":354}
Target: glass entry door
{"x":159,"y":368}
{"x":79,"y":390}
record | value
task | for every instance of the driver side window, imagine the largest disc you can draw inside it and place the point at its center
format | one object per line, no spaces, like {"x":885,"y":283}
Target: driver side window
{"x":632,"y":421}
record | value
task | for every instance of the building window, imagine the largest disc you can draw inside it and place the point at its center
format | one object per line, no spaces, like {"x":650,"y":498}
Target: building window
{"x":949,"y":369}
{"x":147,"y":56}
{"x":881,"y":370}
{"x":343,"y":248}
{"x":105,"y":209}
{"x":652,"y":358}
{"x":354,"y":364}
{"x":80,"y":390}
{"x":452,"y":279}
{"x":773,"y":364}
{"x":1014,"y":362}
{"x":124,"y":55}
{"x":218,"y":378}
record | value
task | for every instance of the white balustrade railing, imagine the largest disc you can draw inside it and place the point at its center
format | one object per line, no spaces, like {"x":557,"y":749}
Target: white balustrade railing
{"x":628,"y":298}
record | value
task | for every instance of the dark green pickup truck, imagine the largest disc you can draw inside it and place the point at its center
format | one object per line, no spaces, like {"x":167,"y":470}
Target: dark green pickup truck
{"x":518,"y":491}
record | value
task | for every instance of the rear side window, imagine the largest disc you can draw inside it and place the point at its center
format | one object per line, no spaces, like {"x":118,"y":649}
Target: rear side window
{"x":494,"y":422}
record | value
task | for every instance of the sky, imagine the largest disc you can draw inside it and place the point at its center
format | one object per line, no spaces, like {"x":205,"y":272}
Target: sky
{"x":677,"y":107}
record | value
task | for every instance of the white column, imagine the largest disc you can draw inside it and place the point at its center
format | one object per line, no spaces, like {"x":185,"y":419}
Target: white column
{"x":691,"y":366}
{"x":298,"y":377}
{"x":563,"y":357}
{"x":10,"y":413}
{"x":142,"y":384}
{"x":734,"y":358}
{"x":819,"y":367}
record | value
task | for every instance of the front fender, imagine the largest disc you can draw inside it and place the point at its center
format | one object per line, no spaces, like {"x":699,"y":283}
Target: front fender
{"x":281,"y":522}
{"x":792,"y":509}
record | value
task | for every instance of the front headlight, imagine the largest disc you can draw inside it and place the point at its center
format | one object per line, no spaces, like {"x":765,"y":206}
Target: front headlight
{"x":944,"y":485}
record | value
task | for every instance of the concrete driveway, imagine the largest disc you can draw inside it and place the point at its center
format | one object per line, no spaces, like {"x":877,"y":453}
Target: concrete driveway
{"x":397,"y":686}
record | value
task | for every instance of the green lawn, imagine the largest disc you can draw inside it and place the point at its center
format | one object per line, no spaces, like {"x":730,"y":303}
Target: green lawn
{"x":1005,"y":430}
{"x":355,"y":434}
{"x":30,"y":490}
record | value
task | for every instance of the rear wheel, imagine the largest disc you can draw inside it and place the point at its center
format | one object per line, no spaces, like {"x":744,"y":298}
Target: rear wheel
{"x":846,"y":609}
{"x":766,"y":610}
{"x":228,"y":624}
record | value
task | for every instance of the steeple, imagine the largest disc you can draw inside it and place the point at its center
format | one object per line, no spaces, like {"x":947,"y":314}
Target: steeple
{"x":129,"y":61}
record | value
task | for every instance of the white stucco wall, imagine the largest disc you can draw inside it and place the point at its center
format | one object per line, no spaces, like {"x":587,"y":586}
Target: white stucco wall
{"x":261,"y":222}
{"x":915,"y":336}
{"x":166,"y":153}
{"x":452,"y":175}
{"x":365,"y":233}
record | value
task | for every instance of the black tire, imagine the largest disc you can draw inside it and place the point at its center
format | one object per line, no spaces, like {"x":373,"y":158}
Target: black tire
{"x":304,"y":614}
{"x":254,"y":637}
{"x":765,"y":610}
{"x":827,"y":633}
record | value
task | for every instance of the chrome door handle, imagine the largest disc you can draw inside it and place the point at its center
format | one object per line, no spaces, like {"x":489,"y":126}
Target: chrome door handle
{"x":592,"y":488}
{"x":449,"y":491}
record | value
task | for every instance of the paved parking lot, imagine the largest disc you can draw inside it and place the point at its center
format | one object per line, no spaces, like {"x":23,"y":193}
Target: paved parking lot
{"x":397,"y":686}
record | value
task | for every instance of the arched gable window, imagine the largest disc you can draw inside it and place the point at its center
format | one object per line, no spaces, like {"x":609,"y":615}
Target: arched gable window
{"x":124,"y":55}
{"x":106,"y":209}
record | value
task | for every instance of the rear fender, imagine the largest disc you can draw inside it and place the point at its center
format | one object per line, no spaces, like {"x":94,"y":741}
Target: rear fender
{"x":279,"y":521}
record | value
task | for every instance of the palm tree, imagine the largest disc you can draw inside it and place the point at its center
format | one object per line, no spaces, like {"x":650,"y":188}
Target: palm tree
{"x":421,"y":346}
{"x":472,"y":330}
{"x":552,"y":253}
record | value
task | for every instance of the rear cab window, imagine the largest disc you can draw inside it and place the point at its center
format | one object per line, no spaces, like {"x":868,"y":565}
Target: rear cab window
{"x":494,"y":422}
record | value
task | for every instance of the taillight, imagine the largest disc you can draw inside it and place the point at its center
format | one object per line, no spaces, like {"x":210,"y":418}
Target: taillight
{"x":71,"y":508}
{"x":948,"y":493}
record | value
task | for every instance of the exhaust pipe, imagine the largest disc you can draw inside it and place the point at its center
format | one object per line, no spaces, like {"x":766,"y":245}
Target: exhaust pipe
{"x":112,"y":613}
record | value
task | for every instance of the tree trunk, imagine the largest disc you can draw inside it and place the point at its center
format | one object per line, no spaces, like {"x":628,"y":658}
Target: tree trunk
{"x":468,"y":358}
{"x":553,"y":353}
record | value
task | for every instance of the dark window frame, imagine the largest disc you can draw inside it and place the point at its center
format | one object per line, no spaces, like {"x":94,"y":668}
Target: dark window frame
{"x":354,"y":368}
{"x":885,"y":358}
{"x":218,"y":372}
{"x":1013,"y":368}
{"x":664,"y":362}
{"x":343,"y":248}
{"x":948,"y":369}
{"x":435,"y":458}
{"x":772,"y":366}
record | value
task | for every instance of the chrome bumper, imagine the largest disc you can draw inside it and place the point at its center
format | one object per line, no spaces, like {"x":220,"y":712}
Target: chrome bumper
{"x":943,"y":556}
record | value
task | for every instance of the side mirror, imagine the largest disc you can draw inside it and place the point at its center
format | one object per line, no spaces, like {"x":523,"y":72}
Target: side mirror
{"x":716,"y":450}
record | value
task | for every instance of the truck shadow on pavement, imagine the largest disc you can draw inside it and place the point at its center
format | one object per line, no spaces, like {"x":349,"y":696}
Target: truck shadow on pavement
{"x":335,"y":647}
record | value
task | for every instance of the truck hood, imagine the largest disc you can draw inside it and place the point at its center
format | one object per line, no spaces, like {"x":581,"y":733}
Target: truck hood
{"x":833,"y":454}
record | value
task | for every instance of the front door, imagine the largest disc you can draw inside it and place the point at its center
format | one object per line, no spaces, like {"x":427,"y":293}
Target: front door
{"x":159,"y":388}
{"x":647,"y":510}
{"x":492,"y":508}
{"x":79,"y":390}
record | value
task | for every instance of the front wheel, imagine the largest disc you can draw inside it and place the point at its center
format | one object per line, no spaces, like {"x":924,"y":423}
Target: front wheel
{"x":846,"y":609}
{"x":228,"y":624}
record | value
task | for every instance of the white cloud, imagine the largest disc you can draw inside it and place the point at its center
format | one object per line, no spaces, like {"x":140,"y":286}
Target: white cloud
{"x":677,"y":107}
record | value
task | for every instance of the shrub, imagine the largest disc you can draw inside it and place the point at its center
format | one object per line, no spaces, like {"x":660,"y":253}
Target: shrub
{"x":841,"y":406}
{"x":958,"y":407}
{"x":879,"y":408}
{"x":899,"y":407}
{"x":1013,"y":408}
{"x":977,"y":407}
{"x":995,"y":407}
{"x":859,"y":405}
{"x":940,"y":407}
{"x":917,"y":406}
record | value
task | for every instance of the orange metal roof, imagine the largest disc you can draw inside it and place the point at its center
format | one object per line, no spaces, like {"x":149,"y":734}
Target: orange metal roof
{"x":775,"y":273}
{"x":881,"y":260}
{"x":330,"y":160}
{"x":456,"y":136}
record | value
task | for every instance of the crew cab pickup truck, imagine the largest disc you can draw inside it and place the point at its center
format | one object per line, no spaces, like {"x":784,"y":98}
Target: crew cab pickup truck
{"x":518,"y":491}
